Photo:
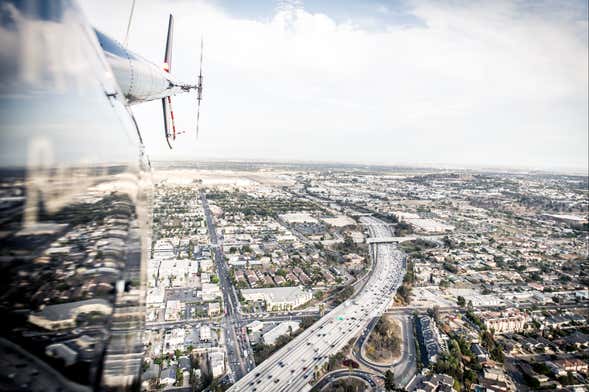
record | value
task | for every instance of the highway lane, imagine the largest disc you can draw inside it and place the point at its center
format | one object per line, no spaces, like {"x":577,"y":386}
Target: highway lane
{"x":294,"y":315}
{"x":292,"y":367}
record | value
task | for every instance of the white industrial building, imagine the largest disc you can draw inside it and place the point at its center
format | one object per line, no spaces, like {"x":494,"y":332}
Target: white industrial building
{"x":279,"y":298}
{"x":210,"y":291}
{"x":283,"y":328}
{"x":255,"y":326}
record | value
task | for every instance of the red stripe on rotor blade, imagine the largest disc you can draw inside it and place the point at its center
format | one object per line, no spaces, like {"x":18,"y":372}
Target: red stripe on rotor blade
{"x":172,"y":117}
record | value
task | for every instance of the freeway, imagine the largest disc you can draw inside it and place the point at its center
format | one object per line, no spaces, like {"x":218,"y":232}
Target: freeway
{"x":246,"y":319}
{"x":293,"y":366}
{"x":239,"y":352}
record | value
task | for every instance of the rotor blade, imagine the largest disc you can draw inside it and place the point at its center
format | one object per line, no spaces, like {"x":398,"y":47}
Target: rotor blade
{"x":201,"y":52}
{"x":197,"y":117}
{"x":199,"y":87}
{"x":169,"y":41}
{"x":166,"y":110}
{"x":129,"y":24}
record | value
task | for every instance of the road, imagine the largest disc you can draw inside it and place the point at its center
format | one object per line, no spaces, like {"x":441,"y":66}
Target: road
{"x":406,"y":366}
{"x":330,"y":377}
{"x":403,"y":368}
{"x":186,"y":323}
{"x":293,"y":366}
{"x":239,"y":352}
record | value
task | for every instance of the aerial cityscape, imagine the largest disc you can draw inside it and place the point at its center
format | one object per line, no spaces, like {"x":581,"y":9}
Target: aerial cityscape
{"x":296,"y":277}
{"x":289,"y":196}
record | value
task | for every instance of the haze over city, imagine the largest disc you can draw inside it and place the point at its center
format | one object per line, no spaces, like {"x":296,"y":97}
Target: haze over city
{"x":480,"y":84}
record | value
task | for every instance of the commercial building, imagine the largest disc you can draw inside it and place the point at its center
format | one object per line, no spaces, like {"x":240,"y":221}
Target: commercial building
{"x":174,"y":339}
{"x":216,"y":361}
{"x":205,"y":333}
{"x":174,"y":310}
{"x":255,"y":326}
{"x":214,"y":309}
{"x":210,"y":291}
{"x":302,"y":217}
{"x":205,"y":265}
{"x":503,"y":322}
{"x":278,"y":298}
{"x":284,"y":328}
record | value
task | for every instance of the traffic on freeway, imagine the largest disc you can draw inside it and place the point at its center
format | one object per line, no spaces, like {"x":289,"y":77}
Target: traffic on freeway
{"x":293,"y":367}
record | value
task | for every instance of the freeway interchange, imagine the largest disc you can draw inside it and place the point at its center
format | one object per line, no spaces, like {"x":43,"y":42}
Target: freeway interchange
{"x":293,"y":367}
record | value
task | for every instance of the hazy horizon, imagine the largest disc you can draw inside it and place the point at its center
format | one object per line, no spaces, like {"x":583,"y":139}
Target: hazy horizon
{"x":423,"y":166}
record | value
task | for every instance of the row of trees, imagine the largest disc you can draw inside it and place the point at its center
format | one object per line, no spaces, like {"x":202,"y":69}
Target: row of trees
{"x":342,"y":295}
{"x":404,"y":291}
{"x":459,"y":362}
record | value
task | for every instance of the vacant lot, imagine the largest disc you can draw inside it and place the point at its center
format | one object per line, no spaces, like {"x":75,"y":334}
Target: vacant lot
{"x":384,"y":343}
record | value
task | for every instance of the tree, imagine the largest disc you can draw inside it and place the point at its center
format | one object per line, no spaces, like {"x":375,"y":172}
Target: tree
{"x":348,"y":242}
{"x":461,"y":301}
{"x":389,"y":380}
{"x":434,"y":313}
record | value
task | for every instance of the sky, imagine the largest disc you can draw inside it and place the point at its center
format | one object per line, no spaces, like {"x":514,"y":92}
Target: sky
{"x":457,"y":83}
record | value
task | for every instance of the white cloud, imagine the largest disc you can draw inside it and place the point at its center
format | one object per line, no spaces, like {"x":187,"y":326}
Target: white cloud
{"x":490,"y":83}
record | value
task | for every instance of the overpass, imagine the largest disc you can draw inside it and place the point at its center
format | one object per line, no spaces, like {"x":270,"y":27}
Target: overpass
{"x":388,"y":240}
